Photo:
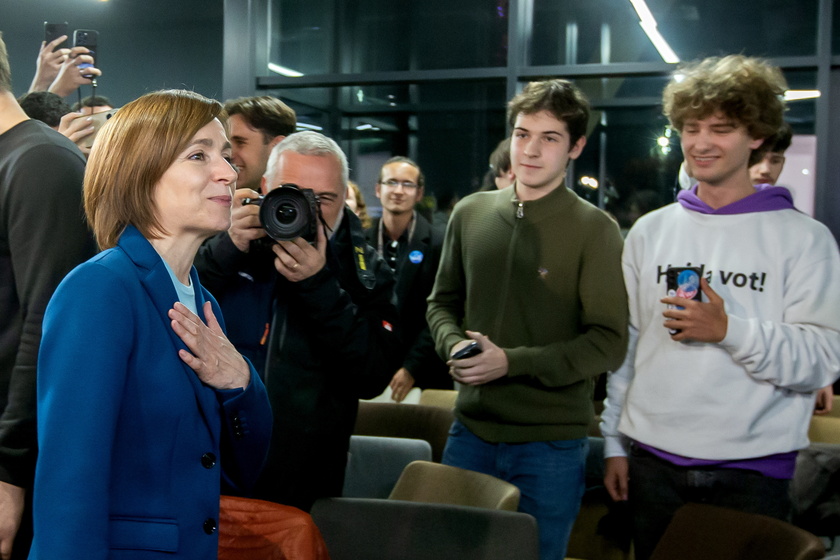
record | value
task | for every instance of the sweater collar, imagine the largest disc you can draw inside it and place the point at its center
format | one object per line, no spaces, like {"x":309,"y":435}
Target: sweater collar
{"x":766,"y":198}
{"x":509,"y":204}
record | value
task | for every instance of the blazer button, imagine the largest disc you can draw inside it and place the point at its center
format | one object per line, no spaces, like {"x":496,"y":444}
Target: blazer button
{"x":209,"y":525}
{"x":208,"y":460}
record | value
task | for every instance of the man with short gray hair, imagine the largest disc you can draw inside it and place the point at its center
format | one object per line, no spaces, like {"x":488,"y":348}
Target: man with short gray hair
{"x":331,"y":338}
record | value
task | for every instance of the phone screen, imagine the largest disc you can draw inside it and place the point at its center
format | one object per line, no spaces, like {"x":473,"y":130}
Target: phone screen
{"x":683,"y":283}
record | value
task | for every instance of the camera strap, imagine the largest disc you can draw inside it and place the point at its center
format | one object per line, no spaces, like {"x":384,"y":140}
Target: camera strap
{"x":359,"y":242}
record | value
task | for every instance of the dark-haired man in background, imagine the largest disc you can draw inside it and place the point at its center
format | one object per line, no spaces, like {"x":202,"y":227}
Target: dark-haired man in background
{"x":244,"y":286}
{"x":257,"y":124}
{"x":768,"y":169}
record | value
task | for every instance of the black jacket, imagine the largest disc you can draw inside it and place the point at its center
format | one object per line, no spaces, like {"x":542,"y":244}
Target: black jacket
{"x":417,"y":266}
{"x":333,"y":340}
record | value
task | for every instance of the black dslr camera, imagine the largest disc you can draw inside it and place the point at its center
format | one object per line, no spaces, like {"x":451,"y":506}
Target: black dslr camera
{"x":289,"y":212}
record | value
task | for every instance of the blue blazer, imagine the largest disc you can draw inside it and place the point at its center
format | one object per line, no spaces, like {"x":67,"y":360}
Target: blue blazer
{"x":133,"y":447}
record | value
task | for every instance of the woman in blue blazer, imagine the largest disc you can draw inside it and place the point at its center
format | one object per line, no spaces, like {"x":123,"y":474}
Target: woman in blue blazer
{"x":144,"y":410}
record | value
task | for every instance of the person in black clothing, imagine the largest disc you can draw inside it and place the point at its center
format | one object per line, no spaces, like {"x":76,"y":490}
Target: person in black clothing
{"x":43,"y":235}
{"x":256,"y":124}
{"x":45,"y":107}
{"x":411,"y":246}
{"x":333,"y":331}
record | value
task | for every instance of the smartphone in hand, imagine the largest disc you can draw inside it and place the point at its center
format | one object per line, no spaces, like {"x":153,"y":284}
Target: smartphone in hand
{"x":89,"y":39}
{"x":684,"y":283}
{"x":468,"y":351}
{"x":53,"y":31}
{"x":96,"y":120}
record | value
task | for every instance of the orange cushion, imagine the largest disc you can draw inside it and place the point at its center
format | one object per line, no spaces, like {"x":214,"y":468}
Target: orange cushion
{"x":251,"y":528}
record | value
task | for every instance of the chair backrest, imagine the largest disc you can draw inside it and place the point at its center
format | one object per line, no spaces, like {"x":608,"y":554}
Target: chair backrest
{"x":700,"y":532}
{"x":430,"y":423}
{"x":251,"y":528}
{"x":412,"y":397}
{"x":367,"y":529}
{"x":423,"y":481}
{"x":824,"y":429}
{"x":444,"y":398}
{"x":374,"y":464}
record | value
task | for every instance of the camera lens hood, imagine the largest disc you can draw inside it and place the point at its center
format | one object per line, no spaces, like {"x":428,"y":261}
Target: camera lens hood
{"x":289,"y":212}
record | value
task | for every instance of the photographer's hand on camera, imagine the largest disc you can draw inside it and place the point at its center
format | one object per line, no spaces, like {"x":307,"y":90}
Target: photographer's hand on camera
{"x":48,"y":64}
{"x":245,"y":220}
{"x":70,"y":76}
{"x":298,"y":260}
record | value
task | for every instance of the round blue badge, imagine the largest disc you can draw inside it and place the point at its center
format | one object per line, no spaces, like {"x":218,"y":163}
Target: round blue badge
{"x":416,"y":257}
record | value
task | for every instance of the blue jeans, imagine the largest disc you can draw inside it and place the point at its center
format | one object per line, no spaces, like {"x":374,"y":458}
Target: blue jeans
{"x":549,"y":475}
{"x":658,"y":488}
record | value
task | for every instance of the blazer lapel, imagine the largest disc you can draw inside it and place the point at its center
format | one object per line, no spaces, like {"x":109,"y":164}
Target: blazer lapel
{"x":158,"y":286}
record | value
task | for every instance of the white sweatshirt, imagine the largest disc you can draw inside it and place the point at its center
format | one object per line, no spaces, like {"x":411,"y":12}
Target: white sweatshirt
{"x":752,"y":394}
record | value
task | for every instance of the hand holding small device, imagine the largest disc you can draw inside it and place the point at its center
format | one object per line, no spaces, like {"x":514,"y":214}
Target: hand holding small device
{"x":468,"y":351}
{"x":683,"y":283}
{"x":71,"y":76}
{"x":87,"y":38}
{"x":51,"y":56}
{"x":53,"y":31}
{"x":96,"y":121}
{"x":478,"y":361}
{"x":700,"y":321}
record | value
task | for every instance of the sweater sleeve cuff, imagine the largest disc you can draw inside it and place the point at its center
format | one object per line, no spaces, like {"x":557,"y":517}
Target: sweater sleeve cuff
{"x":737,"y":334}
{"x":519,"y":362}
{"x":616,"y":446}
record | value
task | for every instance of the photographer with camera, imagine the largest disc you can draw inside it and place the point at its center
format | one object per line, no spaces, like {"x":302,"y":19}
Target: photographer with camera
{"x":257,"y":124}
{"x":331,"y":338}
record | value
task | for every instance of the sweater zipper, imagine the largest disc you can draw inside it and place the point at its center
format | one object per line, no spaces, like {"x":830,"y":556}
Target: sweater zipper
{"x":505,"y":284}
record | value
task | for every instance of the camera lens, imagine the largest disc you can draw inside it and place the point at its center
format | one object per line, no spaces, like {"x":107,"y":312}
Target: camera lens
{"x":287,"y":214}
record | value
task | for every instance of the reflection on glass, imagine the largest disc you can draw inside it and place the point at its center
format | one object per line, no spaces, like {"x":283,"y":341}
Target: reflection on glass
{"x":330,"y":36}
{"x":609,"y":31}
{"x":449,"y":128}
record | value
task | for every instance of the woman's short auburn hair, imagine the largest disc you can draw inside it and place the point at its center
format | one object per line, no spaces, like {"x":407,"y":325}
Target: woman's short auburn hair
{"x":132,"y":152}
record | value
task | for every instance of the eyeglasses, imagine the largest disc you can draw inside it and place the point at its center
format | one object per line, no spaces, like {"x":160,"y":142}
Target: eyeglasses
{"x":393,"y":183}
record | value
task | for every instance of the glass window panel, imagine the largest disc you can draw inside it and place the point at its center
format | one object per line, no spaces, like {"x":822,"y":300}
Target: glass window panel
{"x":610,"y":89}
{"x":835,"y":35}
{"x":639,"y":175}
{"x":448,"y":128}
{"x":802,"y":114}
{"x":324,"y":36}
{"x":602,"y":31}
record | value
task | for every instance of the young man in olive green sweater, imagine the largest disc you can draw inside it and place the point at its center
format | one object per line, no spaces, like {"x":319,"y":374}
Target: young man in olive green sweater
{"x":533,"y":274}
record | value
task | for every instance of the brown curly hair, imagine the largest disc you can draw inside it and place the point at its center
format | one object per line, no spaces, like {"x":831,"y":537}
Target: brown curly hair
{"x":747,"y":90}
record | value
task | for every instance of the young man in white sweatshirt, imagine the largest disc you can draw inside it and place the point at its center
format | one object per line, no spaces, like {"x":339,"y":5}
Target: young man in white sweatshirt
{"x":713,"y":400}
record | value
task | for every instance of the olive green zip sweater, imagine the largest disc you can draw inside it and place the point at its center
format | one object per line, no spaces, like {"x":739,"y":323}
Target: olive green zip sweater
{"x":542,"y":279}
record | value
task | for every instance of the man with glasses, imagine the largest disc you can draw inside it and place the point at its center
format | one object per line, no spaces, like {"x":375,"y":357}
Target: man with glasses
{"x":411,"y":246}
